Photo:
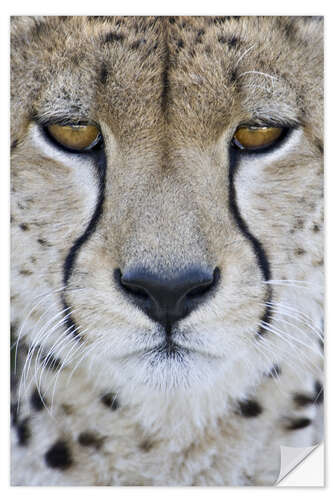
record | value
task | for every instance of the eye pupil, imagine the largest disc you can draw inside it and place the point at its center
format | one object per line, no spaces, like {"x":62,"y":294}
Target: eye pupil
{"x":256,"y":138}
{"x":74,"y":137}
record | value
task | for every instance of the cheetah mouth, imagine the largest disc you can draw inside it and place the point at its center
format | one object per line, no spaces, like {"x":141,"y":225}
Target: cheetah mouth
{"x":171,"y":350}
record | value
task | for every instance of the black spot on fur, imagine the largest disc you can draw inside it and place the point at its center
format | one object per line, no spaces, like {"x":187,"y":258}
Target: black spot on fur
{"x":119,"y":22}
{"x":98,"y":18}
{"x":104,"y":74}
{"x":230,"y":42}
{"x":315,"y":228}
{"x":24,"y":227}
{"x":59,"y":456}
{"x":90,"y":439}
{"x":25,"y":272}
{"x":36,"y":401}
{"x":40,"y":27}
{"x":298,"y":423}
{"x":67,"y":409}
{"x":13,"y":145}
{"x":218,"y":20}
{"x":287,"y":26}
{"x":199,"y":36}
{"x":23,"y":431}
{"x":319,"y":146}
{"x":113,"y":37}
{"x":250,"y":408}
{"x":310,"y":19}
{"x":233,"y":76}
{"x":43,"y":242}
{"x":14,"y":413}
{"x":221,"y":20}
{"x":135,"y":45}
{"x":52,"y":362}
{"x":75,"y":59}
{"x":172,"y":20}
{"x":13,"y":330}
{"x":110,"y":400}
{"x":302,"y":400}
{"x":319,"y":393}
{"x":180,"y":43}
{"x":299,"y":251}
{"x":152,"y":49}
{"x":274,"y":372}
{"x":146,"y":445}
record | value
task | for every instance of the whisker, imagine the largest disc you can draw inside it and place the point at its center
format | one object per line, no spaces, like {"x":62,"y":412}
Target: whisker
{"x":297,"y":312}
{"x":64,"y":340}
{"x":36,"y":343}
{"x":284,"y":336}
{"x":43,"y":297}
{"x":244,"y":54}
{"x":76,"y":347}
{"x":284,"y":313}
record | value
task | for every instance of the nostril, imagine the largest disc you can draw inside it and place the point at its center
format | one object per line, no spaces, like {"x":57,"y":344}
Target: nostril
{"x":202,"y":289}
{"x":132,"y":289}
{"x":135,"y":290}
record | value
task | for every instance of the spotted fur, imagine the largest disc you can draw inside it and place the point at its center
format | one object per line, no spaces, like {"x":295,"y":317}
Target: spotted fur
{"x":96,"y":399}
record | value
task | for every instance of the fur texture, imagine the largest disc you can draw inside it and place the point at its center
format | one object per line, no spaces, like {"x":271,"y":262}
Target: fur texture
{"x":95,"y":401}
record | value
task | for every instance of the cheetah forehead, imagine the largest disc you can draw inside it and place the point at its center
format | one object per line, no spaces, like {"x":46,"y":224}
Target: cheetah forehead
{"x":212,"y":69}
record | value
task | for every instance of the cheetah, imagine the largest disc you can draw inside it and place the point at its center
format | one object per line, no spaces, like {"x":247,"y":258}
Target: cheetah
{"x":167,"y":248}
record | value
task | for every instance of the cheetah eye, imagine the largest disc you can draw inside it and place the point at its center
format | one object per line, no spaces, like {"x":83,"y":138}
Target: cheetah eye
{"x":77,"y":138}
{"x":257,"y":138}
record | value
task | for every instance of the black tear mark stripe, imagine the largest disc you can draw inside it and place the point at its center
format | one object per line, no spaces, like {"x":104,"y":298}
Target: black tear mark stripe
{"x":100,"y":163}
{"x":71,"y":327}
{"x":257,"y":246}
{"x":113,"y":37}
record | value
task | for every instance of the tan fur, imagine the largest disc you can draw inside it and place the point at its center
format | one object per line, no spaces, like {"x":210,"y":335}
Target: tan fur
{"x":168,"y":95}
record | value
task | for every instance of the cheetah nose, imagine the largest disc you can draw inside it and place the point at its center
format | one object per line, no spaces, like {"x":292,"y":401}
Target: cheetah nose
{"x":168,"y":300}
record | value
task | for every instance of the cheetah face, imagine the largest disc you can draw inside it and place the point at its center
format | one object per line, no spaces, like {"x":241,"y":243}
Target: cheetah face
{"x":162,"y":194}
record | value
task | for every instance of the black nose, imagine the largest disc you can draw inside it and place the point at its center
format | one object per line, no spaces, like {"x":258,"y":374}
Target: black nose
{"x":168,"y":300}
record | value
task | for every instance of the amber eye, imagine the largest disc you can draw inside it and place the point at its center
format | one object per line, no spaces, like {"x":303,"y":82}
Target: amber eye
{"x":256,"y":138}
{"x":75,"y":137}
